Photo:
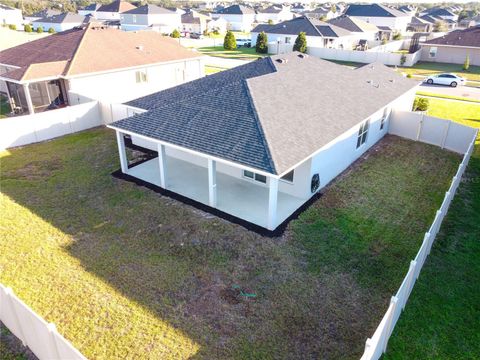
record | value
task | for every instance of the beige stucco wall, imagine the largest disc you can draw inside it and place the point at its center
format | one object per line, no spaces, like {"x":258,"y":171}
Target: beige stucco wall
{"x":452,"y":55}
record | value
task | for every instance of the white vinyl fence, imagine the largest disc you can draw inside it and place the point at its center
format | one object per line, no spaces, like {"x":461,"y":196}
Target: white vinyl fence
{"x":27,"y":129}
{"x":377,"y":344}
{"x":41,"y":337}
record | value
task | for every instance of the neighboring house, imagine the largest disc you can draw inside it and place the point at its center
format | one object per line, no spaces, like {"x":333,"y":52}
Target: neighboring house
{"x":300,"y":8}
{"x":42,"y":14}
{"x":238,"y":17}
{"x":150,"y":17}
{"x":380,"y":15}
{"x":466,"y":23}
{"x":274,"y":13}
{"x":454,"y":47}
{"x":360,"y":29}
{"x":266,"y":137}
{"x":112,"y":11}
{"x":450,"y":24}
{"x":320,"y":13}
{"x":61,"y":22}
{"x":319,"y":33}
{"x":418,"y":24}
{"x":408,"y":9}
{"x":193,"y":21}
{"x":440,"y":13}
{"x":219,"y":25}
{"x":90,"y":10}
{"x":96,"y":63}
{"x":10,"y":16}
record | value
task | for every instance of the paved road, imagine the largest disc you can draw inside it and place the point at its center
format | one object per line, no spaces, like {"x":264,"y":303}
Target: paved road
{"x":463,"y":91}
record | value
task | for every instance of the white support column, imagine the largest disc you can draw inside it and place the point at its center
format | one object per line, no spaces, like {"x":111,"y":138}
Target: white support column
{"x":122,"y":153}
{"x":26,"y":90}
{"x":162,"y":163}
{"x":212,"y":183}
{"x":272,"y":203}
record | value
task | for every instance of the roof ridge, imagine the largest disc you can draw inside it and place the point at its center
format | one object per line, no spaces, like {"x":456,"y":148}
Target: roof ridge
{"x":314,"y":26}
{"x":86,"y":29}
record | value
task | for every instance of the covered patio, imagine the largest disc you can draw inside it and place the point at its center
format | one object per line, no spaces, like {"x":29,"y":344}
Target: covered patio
{"x":262,"y":205}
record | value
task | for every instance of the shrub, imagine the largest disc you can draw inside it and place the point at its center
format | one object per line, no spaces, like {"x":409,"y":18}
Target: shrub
{"x":409,"y":76}
{"x":397,"y":36}
{"x":51,"y":30}
{"x":216,"y":32}
{"x":466,"y":64}
{"x":403,"y":59}
{"x":440,"y":26}
{"x":39,"y":30}
{"x":229,"y":43}
{"x":27,"y":28}
{"x":261,"y":46}
{"x":420,"y":104}
{"x":270,"y":22}
{"x":175,"y":34}
{"x":301,"y":43}
{"x":12,"y":27}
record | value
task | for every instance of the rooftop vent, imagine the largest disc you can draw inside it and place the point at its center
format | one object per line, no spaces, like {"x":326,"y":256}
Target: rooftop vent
{"x":302,"y":56}
{"x":281,"y":61}
{"x":139,"y":47}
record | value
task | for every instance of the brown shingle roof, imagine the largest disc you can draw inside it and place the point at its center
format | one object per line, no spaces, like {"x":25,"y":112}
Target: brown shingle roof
{"x":88,"y":50}
{"x":468,"y":37}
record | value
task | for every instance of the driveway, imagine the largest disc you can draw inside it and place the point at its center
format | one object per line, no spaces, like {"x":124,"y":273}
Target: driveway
{"x":462,"y":91}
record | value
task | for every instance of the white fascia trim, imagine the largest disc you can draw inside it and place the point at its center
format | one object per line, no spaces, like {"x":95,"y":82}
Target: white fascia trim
{"x":135,"y":108}
{"x":220,"y":160}
{"x":8,"y":65}
{"x":133,"y":67}
{"x":413,"y":90}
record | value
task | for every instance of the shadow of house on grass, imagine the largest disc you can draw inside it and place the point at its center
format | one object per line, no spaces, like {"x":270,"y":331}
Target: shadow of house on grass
{"x":233,"y":292}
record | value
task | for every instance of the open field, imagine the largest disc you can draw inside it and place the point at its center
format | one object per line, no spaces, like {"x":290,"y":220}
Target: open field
{"x":441,"y":318}
{"x":242,"y":53}
{"x":126,"y":273}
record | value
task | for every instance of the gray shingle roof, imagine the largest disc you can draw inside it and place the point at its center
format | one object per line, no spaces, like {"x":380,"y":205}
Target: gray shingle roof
{"x":311,"y":27}
{"x":267,"y":114}
{"x":236,"y":10}
{"x":149,"y":9}
{"x":64,"y":19}
{"x":373,"y":10}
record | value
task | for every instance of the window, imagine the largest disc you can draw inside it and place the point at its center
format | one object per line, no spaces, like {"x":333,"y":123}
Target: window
{"x":362,"y":133}
{"x":255,"y":176}
{"x":433,"y":52}
{"x":141,"y":76}
{"x":134,"y":18}
{"x":288,"y":40}
{"x":325,"y":43}
{"x":384,"y":118}
{"x":288,"y":177}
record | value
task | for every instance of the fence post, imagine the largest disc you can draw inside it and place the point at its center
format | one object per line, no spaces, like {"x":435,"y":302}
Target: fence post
{"x":410,"y":281}
{"x":420,"y":123}
{"x":53,"y":347}
{"x":445,"y":134}
{"x":9,"y":294}
{"x":389,"y":325}
{"x":368,"y":349}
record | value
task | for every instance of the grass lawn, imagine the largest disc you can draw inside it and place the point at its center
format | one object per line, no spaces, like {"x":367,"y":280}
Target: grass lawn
{"x":242,"y":53}
{"x":429,"y":68}
{"x":443,"y":96}
{"x":4,"y":107}
{"x":441,"y":318}
{"x":209,"y":70}
{"x":126,"y":273}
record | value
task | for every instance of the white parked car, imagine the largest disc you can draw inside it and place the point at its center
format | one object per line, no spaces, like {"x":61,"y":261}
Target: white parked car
{"x":446,"y":79}
{"x":244,"y":42}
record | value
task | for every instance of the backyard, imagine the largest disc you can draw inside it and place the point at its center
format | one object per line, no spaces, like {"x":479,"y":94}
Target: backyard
{"x":241,"y":53}
{"x":124,"y":272}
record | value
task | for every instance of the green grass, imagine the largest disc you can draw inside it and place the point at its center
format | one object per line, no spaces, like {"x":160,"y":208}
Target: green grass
{"x":443,"y":96}
{"x":242,"y":53}
{"x":4,"y":107}
{"x":209,"y":70}
{"x":441,"y":317}
{"x":429,"y":68}
{"x":126,"y":273}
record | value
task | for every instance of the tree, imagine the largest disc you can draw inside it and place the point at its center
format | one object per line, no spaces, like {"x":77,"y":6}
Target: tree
{"x":229,"y":43}
{"x":397,"y":36}
{"x":301,"y":43}
{"x":440,"y":26}
{"x":27,"y":28}
{"x":462,"y":15}
{"x":39,"y":30}
{"x":466,"y":64}
{"x":175,"y":34}
{"x":261,"y":46}
{"x":334,"y":8}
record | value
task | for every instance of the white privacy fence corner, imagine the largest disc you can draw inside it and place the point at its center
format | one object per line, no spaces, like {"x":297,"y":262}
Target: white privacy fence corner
{"x":377,"y":344}
{"x":42,"y":338}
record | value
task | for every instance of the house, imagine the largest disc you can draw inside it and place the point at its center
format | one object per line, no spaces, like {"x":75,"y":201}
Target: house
{"x":300,"y":8}
{"x":219,"y":25}
{"x":418,"y":24}
{"x":360,"y":29}
{"x":440,"y":13}
{"x":193,"y":21}
{"x":274,"y":14}
{"x":256,"y":153}
{"x":46,"y":13}
{"x":10,"y":16}
{"x":432,"y":19}
{"x":60,"y":22}
{"x":454,"y":47}
{"x":90,"y":10}
{"x":150,"y":17}
{"x":381,"y":16}
{"x":238,"y":17}
{"x":112,"y":11}
{"x":320,"y":13}
{"x":96,"y":63}
{"x":408,"y":9}
{"x":319,"y":33}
